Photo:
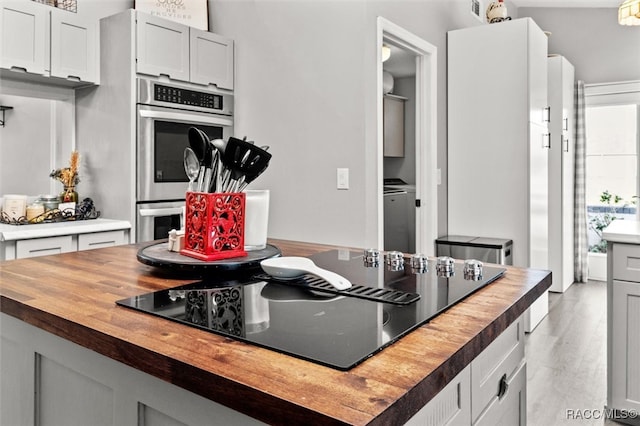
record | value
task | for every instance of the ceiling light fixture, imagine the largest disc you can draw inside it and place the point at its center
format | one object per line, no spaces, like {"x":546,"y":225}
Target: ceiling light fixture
{"x":386,"y":51}
{"x":629,"y":13}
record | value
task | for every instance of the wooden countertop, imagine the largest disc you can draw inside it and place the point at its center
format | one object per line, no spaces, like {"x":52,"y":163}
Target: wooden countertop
{"x":73,"y":296}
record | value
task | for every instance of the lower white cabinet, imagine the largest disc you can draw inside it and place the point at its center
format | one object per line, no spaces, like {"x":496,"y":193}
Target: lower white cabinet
{"x":623,"y":328}
{"x":44,"y":246}
{"x":101,"y":239}
{"x":47,"y":380}
{"x":35,"y":365}
{"x":491,"y":391}
{"x":509,"y":409}
{"x":451,"y":406}
{"x":19,"y":242}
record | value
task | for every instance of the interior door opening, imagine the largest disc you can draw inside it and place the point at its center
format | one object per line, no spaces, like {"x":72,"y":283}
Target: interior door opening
{"x":407,"y":141}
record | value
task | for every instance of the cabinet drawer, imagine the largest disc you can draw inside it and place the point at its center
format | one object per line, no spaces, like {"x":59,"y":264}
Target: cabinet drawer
{"x":626,"y":262}
{"x":44,"y":246}
{"x":450,"y":407}
{"x":100,"y":239}
{"x":511,"y":408}
{"x":501,"y":358}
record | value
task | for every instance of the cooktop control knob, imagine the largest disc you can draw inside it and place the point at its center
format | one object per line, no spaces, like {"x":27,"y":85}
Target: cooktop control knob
{"x":394,"y":260}
{"x":419,"y":263}
{"x":371,"y":258}
{"x":472,"y":270}
{"x":444,"y":266}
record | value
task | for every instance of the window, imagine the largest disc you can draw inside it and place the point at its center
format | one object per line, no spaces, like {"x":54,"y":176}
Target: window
{"x":612,"y":151}
{"x":612,"y":121}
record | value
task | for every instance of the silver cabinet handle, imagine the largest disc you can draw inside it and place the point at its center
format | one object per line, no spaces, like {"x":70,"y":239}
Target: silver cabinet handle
{"x":565,"y":125}
{"x":546,"y":115}
{"x":566,"y":144}
{"x":546,"y":140}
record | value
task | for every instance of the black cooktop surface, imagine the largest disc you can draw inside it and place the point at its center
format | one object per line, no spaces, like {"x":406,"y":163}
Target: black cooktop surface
{"x":303,"y":319}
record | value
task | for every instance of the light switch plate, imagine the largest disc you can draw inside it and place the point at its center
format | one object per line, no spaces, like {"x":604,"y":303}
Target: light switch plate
{"x":343,"y":178}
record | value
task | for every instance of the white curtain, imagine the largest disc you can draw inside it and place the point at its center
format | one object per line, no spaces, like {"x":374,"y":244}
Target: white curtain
{"x":580,"y":209}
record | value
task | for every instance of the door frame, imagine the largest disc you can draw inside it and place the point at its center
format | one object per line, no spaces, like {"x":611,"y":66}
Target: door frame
{"x":426,"y":132}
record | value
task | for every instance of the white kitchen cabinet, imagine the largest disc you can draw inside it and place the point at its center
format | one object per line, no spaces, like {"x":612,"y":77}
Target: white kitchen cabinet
{"x":182,"y":53}
{"x":490,"y":391}
{"x":97,"y":240}
{"x":561,"y":75}
{"x":97,"y":389}
{"x":451,"y":406}
{"x":498,"y":140}
{"x":393,"y":124}
{"x":18,"y":242}
{"x":40,"y":41}
{"x":623,"y":328}
{"x":44,"y":246}
{"x":24,"y":28}
{"x":74,"y":47}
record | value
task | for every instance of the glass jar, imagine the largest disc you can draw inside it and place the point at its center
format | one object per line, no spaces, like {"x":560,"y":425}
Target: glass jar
{"x":34,"y":211}
{"x":69,"y":195}
{"x":50,"y":202}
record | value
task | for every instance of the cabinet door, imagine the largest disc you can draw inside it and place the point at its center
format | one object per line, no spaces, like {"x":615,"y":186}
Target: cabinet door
{"x":537,"y":69}
{"x":73,"y":47}
{"x":162,"y":47}
{"x":450,"y":407}
{"x":101,"y":239}
{"x":509,"y":409}
{"x":393,"y":127}
{"x":44,"y":246}
{"x":624,"y":365}
{"x":24,"y":37}
{"x":501,"y":359}
{"x":211,"y":59}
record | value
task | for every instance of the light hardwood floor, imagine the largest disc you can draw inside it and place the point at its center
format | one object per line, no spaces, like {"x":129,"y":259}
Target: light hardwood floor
{"x":567,"y":359}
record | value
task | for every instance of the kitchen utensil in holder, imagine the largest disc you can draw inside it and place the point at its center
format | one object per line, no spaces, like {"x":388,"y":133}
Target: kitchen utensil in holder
{"x":214,"y":225}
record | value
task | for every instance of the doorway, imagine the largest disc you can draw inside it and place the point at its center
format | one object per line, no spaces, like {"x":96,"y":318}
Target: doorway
{"x":416,"y":166}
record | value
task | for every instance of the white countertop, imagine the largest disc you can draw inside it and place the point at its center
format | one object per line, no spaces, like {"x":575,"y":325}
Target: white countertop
{"x":622,"y":231}
{"x":43,"y":230}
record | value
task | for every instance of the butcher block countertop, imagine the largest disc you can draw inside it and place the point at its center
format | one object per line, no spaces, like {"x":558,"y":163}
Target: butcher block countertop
{"x":73,"y":295}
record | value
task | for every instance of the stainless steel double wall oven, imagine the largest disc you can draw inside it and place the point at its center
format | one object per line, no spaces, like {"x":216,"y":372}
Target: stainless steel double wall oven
{"x":165,"y":111}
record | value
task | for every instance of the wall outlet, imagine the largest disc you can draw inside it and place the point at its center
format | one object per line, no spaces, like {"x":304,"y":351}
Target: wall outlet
{"x":343,"y":178}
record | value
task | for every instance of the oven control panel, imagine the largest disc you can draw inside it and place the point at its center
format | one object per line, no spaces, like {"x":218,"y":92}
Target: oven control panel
{"x":182,"y":96}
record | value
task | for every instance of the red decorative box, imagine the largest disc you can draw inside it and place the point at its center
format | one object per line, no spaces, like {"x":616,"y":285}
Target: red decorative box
{"x":214,"y":225}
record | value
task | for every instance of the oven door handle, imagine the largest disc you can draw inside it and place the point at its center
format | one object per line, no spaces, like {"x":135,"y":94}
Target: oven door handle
{"x":186,"y":117}
{"x":167,"y":211}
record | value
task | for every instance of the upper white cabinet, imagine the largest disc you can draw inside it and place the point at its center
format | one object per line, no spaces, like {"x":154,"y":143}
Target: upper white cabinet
{"x":498,"y":142}
{"x":561,"y":171}
{"x":24,"y":27}
{"x":182,"y":53}
{"x":41,"y":41}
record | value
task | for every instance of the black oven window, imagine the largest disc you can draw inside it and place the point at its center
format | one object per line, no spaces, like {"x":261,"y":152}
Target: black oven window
{"x":163,"y":224}
{"x":170,"y":141}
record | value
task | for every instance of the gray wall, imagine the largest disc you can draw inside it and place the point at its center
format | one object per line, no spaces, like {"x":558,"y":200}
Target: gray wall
{"x":306,"y":85}
{"x":599,"y":48}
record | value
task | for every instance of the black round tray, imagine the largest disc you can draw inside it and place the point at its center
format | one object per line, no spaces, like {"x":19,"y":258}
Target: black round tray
{"x":158,"y":255}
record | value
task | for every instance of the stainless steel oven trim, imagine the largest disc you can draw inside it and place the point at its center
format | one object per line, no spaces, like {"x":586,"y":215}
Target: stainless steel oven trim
{"x":145,"y":89}
{"x":146,"y":212}
{"x":146,"y":188}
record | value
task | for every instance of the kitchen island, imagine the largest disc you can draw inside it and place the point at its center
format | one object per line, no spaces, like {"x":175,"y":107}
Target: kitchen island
{"x":623,"y":319}
{"x":126,"y":365}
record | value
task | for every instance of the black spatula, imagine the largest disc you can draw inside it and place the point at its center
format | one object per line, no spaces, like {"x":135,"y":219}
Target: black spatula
{"x":246,"y":162}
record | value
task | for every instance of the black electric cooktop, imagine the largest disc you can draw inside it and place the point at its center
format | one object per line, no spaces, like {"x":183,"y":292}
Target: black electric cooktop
{"x":306,"y":318}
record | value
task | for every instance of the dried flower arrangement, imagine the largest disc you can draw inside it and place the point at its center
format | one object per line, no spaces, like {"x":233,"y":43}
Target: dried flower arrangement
{"x":68,"y":175}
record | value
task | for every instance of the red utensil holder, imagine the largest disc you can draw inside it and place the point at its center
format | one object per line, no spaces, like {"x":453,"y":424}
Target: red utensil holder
{"x":214,"y":225}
